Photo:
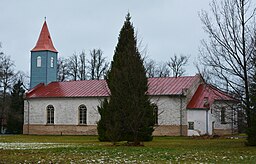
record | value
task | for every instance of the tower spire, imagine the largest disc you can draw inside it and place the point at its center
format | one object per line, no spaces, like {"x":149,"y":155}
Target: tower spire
{"x":44,"y":56}
{"x":44,"y":41}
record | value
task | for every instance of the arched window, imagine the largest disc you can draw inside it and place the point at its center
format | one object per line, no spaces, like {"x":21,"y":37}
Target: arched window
{"x":52,"y":62}
{"x":223,"y":116}
{"x":155,"y":110}
{"x":50,"y":114}
{"x":82,"y":114}
{"x":39,"y":61}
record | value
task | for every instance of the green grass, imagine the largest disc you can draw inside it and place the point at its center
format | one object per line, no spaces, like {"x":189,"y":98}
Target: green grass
{"x":87,"y":149}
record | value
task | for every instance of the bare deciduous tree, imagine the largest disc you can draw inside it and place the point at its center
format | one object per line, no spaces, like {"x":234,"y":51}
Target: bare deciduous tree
{"x":7,"y":74}
{"x":62,"y":69}
{"x":82,"y":66}
{"x":97,"y":65}
{"x":229,"y":50}
{"x":162,"y":70}
{"x":176,"y":64}
{"x":150,"y":66}
{"x":23,"y":78}
{"x":73,"y":66}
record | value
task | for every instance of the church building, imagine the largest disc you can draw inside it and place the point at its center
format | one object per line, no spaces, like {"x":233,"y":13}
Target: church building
{"x":185,"y":105}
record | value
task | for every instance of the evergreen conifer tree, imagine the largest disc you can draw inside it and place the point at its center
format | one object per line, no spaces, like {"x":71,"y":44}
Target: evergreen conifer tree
{"x":101,"y":125}
{"x":251,"y":130}
{"x":130,"y":114}
{"x":15,"y":115}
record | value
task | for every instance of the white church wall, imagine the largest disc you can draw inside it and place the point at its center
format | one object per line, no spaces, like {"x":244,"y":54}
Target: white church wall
{"x":25,"y":112}
{"x":199,"y":117}
{"x":229,"y":125}
{"x":66,"y":115}
{"x":169,"y":109}
{"x":170,"y":116}
{"x":65,"y":110}
{"x":215,"y":126}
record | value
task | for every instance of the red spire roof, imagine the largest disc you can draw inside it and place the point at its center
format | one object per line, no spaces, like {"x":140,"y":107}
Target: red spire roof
{"x":44,"y":41}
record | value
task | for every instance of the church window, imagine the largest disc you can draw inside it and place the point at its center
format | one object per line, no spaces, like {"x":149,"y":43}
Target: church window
{"x":223,"y":116}
{"x":52,"y":62}
{"x":191,"y":125}
{"x":50,"y":114}
{"x":155,"y":110}
{"x":82,"y":114}
{"x":39,"y":61}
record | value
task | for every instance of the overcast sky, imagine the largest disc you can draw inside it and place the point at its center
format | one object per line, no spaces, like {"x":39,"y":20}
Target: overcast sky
{"x":165,"y":27}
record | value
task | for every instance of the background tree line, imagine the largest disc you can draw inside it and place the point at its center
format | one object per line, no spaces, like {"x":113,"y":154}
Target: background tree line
{"x":95,"y":67}
{"x":12,"y":90}
{"x":81,"y":67}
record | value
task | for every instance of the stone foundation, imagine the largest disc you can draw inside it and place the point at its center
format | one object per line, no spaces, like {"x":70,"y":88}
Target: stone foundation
{"x":161,"y":130}
{"x":60,"y":129}
{"x":170,"y":130}
{"x":222,"y":132}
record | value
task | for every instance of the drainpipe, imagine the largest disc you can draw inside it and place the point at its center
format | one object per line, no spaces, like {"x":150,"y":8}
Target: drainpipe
{"x":207,"y":108}
{"x":181,"y":129}
{"x":207,"y":121}
{"x":232,"y":121}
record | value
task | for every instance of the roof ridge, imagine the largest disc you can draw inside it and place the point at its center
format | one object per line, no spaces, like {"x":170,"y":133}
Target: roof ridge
{"x":77,"y":81}
{"x":216,"y":89}
{"x":105,"y":79}
{"x":172,"y":77}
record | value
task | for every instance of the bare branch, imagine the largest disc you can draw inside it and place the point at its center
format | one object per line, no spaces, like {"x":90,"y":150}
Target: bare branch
{"x":176,"y":64}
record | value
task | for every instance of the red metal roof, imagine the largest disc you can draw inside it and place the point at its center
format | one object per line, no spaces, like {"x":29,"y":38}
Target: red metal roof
{"x":85,"y":88}
{"x":98,"y":88}
{"x":170,"y":85}
{"x":205,"y":95}
{"x":44,"y":41}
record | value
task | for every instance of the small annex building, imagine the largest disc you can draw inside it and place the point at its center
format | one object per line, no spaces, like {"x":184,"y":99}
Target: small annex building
{"x":185,"y":105}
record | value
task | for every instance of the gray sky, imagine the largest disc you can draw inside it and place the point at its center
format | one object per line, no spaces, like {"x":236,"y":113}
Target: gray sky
{"x":165,"y":27}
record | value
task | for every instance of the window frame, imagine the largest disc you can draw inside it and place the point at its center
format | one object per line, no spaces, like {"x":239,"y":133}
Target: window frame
{"x":52,"y":62}
{"x":191,"y":125}
{"x":82,"y":114}
{"x":155,"y":113}
{"x":38,"y":61}
{"x":223,"y":116}
{"x":50,"y":114}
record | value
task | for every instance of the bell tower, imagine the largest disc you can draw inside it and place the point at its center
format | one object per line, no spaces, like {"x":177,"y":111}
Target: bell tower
{"x":43,"y":67}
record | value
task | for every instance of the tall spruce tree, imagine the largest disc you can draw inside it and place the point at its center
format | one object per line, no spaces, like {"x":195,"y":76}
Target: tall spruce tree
{"x":251,"y":130}
{"x":130,"y":114}
{"x":15,"y":114}
{"x":101,"y":125}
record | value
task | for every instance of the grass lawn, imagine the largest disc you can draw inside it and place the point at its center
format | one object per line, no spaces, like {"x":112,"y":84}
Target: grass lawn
{"x":87,"y":149}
